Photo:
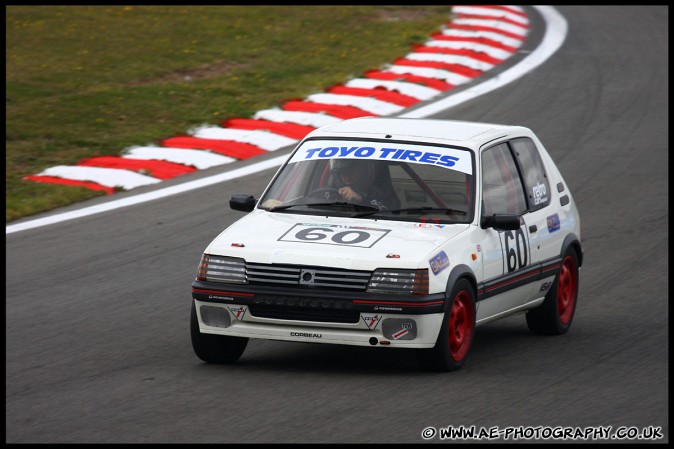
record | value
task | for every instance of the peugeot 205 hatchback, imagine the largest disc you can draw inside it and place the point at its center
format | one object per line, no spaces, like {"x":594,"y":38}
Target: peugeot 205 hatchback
{"x":394,"y":233}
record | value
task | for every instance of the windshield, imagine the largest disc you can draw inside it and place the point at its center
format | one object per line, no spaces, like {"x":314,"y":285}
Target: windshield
{"x":375,"y":179}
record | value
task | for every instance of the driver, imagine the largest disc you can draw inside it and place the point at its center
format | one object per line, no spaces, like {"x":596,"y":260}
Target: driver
{"x":356,"y":181}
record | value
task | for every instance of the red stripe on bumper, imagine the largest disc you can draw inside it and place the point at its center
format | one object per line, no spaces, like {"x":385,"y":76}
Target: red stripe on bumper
{"x":398,"y":303}
{"x":218,"y":292}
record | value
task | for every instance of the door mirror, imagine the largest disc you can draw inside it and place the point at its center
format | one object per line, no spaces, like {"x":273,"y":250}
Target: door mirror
{"x":501,"y":222}
{"x":244,"y":203}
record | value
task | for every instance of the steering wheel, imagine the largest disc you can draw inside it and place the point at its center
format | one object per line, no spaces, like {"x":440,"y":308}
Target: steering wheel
{"x":327,"y":193}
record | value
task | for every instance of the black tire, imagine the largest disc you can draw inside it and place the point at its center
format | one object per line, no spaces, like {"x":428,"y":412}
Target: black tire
{"x":457,"y":332}
{"x":555,"y":314}
{"x":221,"y":349}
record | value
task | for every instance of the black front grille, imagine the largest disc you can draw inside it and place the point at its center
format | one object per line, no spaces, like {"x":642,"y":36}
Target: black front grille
{"x":303,"y":314}
{"x":307,"y":277}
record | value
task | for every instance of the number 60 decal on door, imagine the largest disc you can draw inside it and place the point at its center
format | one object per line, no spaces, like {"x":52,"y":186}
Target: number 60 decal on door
{"x":363,"y":237}
{"x":516,"y":249}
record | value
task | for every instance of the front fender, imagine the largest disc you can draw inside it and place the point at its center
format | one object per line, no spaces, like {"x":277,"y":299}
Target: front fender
{"x":459,"y":272}
{"x":572,"y":241}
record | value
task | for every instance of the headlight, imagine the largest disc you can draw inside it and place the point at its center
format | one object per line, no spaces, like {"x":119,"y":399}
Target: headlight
{"x":222,"y":269}
{"x":413,"y":282}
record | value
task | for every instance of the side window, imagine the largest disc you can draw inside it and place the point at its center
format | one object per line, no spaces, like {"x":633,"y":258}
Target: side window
{"x":502,"y":191}
{"x":535,"y":178}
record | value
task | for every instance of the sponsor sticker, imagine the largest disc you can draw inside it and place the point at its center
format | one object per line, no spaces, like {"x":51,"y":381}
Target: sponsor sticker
{"x":439,"y":262}
{"x":553,"y":223}
{"x":238,"y":311}
{"x":429,"y":226}
{"x":226,"y":298}
{"x":306,"y":335}
{"x":449,"y":158}
{"x":539,"y":193}
{"x":399,"y":329}
{"x":371,"y":321}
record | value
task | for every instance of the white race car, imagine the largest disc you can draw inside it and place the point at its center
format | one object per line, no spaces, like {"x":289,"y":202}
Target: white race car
{"x":394,"y":233}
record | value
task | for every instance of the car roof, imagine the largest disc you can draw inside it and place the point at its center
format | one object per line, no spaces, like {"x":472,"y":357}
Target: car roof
{"x":464,"y":133}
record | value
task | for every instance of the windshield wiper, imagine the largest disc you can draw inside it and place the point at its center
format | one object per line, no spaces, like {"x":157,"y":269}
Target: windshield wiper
{"x":334,"y":203}
{"x":410,"y":209}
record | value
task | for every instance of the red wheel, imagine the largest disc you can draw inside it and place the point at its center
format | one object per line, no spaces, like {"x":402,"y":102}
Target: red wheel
{"x":456,"y":335}
{"x":567,"y":290}
{"x":554,"y":315}
{"x":461,"y":326}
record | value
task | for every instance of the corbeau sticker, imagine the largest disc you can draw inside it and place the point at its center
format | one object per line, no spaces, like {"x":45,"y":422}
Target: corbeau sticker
{"x":553,"y":223}
{"x":360,"y":236}
{"x":439,"y":262}
{"x":450,"y":158}
{"x":306,"y":335}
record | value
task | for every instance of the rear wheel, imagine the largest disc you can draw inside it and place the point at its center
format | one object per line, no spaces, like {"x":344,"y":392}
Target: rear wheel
{"x":554,"y":316}
{"x":456,"y":334}
{"x":215,"y":348}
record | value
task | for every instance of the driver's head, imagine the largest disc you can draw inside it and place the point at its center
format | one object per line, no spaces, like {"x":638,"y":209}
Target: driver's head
{"x":348,"y":171}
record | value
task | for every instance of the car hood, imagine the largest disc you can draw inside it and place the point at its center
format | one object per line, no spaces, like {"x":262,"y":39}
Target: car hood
{"x":340,"y":242}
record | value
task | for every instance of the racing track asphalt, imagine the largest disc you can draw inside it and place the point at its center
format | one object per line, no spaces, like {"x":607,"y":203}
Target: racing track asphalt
{"x":97,"y":309}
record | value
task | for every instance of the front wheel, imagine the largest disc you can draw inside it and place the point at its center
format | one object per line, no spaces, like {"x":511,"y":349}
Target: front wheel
{"x":215,"y":348}
{"x":456,"y":334}
{"x":554,"y":316}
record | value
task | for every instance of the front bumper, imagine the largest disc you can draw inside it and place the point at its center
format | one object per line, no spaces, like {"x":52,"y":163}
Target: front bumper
{"x":318,"y":316}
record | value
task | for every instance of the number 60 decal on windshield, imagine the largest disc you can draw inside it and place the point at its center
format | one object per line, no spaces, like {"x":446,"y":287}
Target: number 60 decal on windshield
{"x":334,"y":235}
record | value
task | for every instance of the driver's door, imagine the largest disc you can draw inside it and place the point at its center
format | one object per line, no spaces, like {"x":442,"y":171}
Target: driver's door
{"x":506,"y":255}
